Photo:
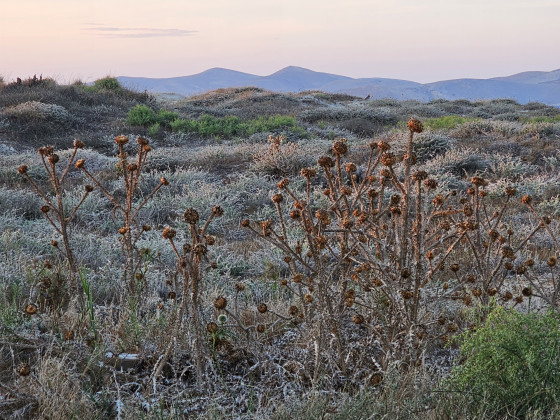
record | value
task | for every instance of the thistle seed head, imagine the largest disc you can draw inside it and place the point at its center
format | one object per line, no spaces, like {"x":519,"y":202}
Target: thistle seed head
{"x":191,"y":216}
{"x":415,"y":126}
{"x":220,"y":303}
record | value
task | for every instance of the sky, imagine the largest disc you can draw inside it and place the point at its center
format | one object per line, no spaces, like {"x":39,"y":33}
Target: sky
{"x":419,"y":40}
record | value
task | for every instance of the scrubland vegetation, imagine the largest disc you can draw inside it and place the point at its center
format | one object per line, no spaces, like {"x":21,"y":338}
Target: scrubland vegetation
{"x":249,"y":254}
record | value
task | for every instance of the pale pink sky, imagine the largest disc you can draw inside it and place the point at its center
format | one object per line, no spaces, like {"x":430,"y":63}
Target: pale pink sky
{"x":420,"y":40}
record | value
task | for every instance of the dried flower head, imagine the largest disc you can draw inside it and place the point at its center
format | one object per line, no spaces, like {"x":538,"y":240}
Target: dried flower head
{"x":339,"y":147}
{"x":164,"y":181}
{"x":220,"y":303}
{"x":68,"y":335}
{"x":325,"y":162}
{"x":415,"y":126}
{"x":45,"y":209}
{"x":358,"y":319}
{"x":132,"y":167}
{"x":419,"y":176}
{"x":80,"y":163}
{"x":308,"y":298}
{"x":527,"y":199}
{"x":239,"y":287}
{"x":262,"y":308}
{"x":277,"y":198}
{"x":211,"y":327}
{"x":261,"y":328}
{"x":142,"y":141}
{"x":217,"y":211}
{"x":308,"y":172}
{"x":31,"y":309}
{"x":121,"y":140}
{"x":551,"y":261}
{"x":511,"y":191}
{"x":168,"y":233}
{"x":245,"y":223}
{"x":22,"y":170}
{"x":350,"y":167}
{"x":191,"y":216}
{"x":78,"y":144}
{"x":23,"y":369}
{"x":388,"y":159}
{"x":283,"y":183}
{"x":172,"y":295}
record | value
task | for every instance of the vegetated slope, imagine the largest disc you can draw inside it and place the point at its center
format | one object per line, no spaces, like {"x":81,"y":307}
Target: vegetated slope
{"x":523,"y":87}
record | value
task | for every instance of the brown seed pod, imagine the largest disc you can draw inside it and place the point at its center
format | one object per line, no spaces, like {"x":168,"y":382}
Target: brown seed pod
{"x":530,"y":262}
{"x":23,"y":369}
{"x":527,"y":291}
{"x":358,"y":319}
{"x":470,"y":278}
{"x":261,"y":328}
{"x":211,"y":327}
{"x":325,"y":162}
{"x":80,"y":163}
{"x":245,"y":223}
{"x":308,"y":298}
{"x":407,"y":294}
{"x":172,"y":295}
{"x":405,"y":273}
{"x":54,"y":243}
{"x":200,"y":249}
{"x":142,"y":141}
{"x":511,"y":191}
{"x":217,"y":211}
{"x":508,"y":265}
{"x":551,"y":261}
{"x":308,"y":172}
{"x":339,"y":147}
{"x":164,"y":181}
{"x":168,"y":233}
{"x":388,"y":159}
{"x":283,"y":282}
{"x":277,"y":198}
{"x":121,"y":140}
{"x":454,"y":267}
{"x":210,"y":240}
{"x":295,"y":214}
{"x":527,"y":199}
{"x":220,"y":303}
{"x":508,"y":296}
{"x":431,"y":183}
{"x":54,"y":158}
{"x":350,"y":167}
{"x":22,"y":169}
{"x":68,"y":335}
{"x":239,"y":287}
{"x":519,"y":299}
{"x":520,"y":269}
{"x":78,"y":144}
{"x":415,"y":126}
{"x":45,"y":208}
{"x":298,"y":278}
{"x":492,"y":291}
{"x":283,"y":183}
{"x":479,"y":181}
{"x":507,"y":252}
{"x":294,"y":310}
{"x":31,"y":309}
{"x":191,"y":216}
{"x":262,"y":308}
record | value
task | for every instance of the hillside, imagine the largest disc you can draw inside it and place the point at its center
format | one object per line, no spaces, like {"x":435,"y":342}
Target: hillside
{"x":523,"y":87}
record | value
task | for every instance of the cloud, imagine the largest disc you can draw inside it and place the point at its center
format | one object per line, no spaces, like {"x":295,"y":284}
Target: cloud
{"x":116,"y":32}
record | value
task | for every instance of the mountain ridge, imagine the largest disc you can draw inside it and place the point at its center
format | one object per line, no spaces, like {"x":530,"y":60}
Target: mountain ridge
{"x":531,"y":86}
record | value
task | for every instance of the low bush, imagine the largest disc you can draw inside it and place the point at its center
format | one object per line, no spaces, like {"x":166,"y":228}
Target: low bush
{"x":511,"y":365}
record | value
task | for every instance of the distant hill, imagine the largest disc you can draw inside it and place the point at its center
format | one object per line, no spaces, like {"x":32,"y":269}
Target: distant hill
{"x":533,"y":86}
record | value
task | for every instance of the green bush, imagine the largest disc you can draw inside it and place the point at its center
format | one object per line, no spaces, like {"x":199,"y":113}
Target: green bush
{"x":166,"y":117}
{"x":141,"y":115}
{"x":107,"y":83}
{"x":511,"y":364}
{"x":446,"y":122}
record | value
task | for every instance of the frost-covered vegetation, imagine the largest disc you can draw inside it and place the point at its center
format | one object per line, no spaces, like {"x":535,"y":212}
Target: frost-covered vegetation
{"x":250,"y":254}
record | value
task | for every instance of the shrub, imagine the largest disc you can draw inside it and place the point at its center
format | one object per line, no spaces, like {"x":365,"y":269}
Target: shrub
{"x":511,"y":364}
{"x":141,"y":115}
{"x":446,"y":123}
{"x":107,"y":83}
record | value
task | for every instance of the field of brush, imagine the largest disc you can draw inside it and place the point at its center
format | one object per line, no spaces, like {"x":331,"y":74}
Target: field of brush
{"x":350,"y":258}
